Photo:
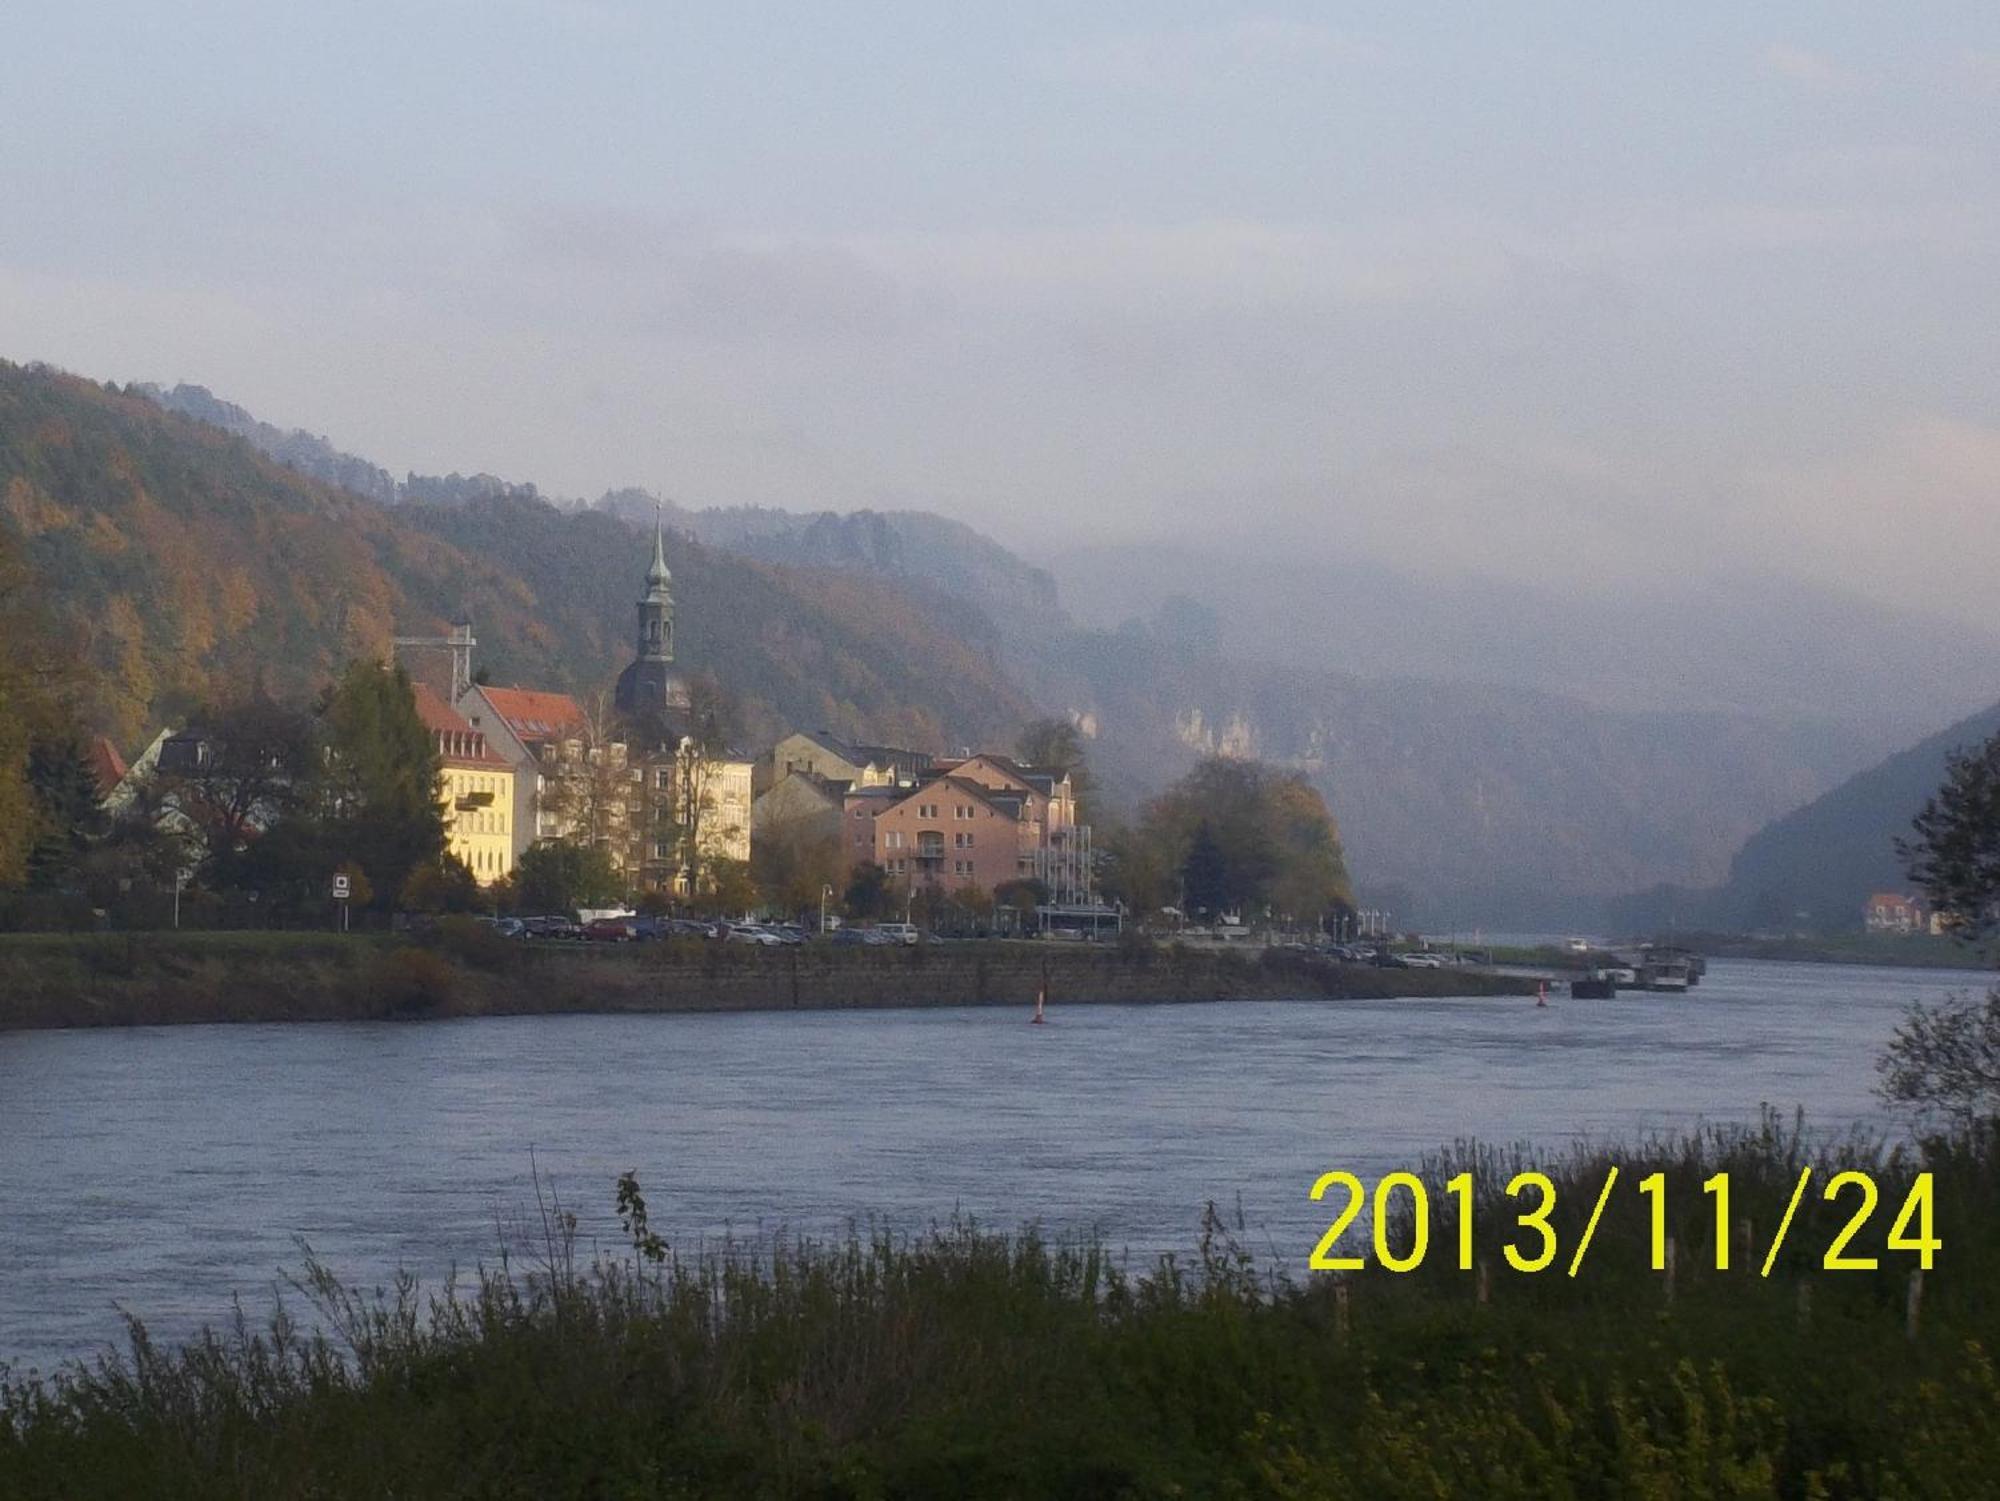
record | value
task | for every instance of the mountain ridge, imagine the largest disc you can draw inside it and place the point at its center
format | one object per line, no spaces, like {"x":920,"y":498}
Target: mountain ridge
{"x":1478,"y":802}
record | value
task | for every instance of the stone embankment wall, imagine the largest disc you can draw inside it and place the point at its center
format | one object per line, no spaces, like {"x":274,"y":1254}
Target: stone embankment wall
{"x":151,"y":979}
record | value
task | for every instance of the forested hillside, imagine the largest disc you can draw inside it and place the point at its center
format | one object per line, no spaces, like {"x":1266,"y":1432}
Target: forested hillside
{"x":183,"y":563}
{"x":1815,"y":867}
{"x":1485,"y":804}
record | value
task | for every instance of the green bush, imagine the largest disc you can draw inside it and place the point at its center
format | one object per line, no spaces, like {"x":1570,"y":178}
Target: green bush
{"x":473,"y":942}
{"x":407,"y":981}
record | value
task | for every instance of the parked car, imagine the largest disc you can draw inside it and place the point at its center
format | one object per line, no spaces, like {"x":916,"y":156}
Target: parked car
{"x":550,"y":927}
{"x":788,"y":932}
{"x":1424,"y":961}
{"x":899,"y":932}
{"x":749,"y":932}
{"x":611,"y":930}
{"x":854,"y":938}
{"x":689,"y":927}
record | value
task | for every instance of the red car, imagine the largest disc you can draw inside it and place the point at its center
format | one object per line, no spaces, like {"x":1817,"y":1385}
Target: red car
{"x":611,"y":930}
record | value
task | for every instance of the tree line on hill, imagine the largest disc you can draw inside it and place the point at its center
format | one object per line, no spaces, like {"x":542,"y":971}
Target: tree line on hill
{"x":278,"y":796}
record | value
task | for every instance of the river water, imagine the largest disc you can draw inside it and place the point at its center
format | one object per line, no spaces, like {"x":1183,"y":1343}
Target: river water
{"x":161,"y":1170}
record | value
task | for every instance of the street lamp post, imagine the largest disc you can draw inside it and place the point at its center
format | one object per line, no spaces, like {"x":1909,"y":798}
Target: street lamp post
{"x":824,"y":893}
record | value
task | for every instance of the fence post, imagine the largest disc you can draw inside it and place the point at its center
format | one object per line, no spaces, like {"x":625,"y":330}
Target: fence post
{"x":1483,"y":1289}
{"x":1914,"y":1307}
{"x":1672,"y":1259}
{"x":1805,"y":1304}
{"x":1341,"y":1322}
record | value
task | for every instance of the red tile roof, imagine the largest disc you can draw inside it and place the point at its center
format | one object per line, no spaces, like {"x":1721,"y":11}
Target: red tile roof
{"x":106,"y":765}
{"x":459,"y":744}
{"x":534,"y":715}
{"x":437,"y":714}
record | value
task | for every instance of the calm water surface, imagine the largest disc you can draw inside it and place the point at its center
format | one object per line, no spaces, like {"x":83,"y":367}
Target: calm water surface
{"x":162,"y":1170}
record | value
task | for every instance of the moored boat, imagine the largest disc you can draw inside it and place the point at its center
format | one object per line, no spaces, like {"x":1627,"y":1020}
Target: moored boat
{"x":1672,"y":975}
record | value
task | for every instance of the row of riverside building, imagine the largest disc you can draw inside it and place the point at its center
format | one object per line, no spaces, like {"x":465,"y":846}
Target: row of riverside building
{"x":523,"y":765}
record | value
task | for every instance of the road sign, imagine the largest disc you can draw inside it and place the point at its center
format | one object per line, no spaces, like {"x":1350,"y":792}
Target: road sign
{"x":343,"y":888}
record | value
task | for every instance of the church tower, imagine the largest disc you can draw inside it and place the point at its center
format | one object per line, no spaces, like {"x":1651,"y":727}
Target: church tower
{"x":656,"y":608}
{"x":651,"y":685}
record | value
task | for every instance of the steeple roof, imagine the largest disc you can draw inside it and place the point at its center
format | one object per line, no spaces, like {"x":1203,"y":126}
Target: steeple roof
{"x":657,"y":577}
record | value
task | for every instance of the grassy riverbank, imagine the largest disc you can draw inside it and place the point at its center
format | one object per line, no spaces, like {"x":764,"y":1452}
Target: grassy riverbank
{"x":66,"y":980}
{"x":1919,"y":951}
{"x":971,"y":1365}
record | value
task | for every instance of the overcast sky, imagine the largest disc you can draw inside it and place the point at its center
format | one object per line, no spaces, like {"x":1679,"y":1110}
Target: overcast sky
{"x":1621,"y":286}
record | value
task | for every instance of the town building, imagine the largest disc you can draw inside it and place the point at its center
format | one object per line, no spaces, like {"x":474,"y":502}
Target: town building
{"x":651,"y":687}
{"x":804,"y":802}
{"x":475,"y":788}
{"x":826,"y":755}
{"x":541,"y":737}
{"x":953,"y":832}
{"x":1893,"y":912}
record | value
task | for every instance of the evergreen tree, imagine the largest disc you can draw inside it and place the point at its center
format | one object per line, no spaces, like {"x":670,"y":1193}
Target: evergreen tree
{"x":1205,"y":872}
{"x":867,"y":894}
{"x":1955,"y":856}
{"x":64,"y":792}
{"x":379,"y":799}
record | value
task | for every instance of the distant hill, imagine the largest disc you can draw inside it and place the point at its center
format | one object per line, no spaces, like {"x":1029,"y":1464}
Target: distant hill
{"x":1815,"y":867}
{"x":1487,"y":805}
{"x":960,"y":565}
{"x":1484,"y":804}
{"x":1767,"y":646}
{"x":294,"y":448}
{"x":957,"y":563}
{"x":186,"y":562}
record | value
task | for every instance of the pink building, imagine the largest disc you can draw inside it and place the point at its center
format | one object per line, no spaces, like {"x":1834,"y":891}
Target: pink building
{"x":952,"y":832}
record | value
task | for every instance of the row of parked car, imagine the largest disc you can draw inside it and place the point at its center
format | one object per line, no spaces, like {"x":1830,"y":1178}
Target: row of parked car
{"x":656,"y":929}
{"x":1386,"y":958}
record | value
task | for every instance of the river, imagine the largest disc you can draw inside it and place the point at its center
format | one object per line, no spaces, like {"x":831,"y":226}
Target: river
{"x":162,"y":1170}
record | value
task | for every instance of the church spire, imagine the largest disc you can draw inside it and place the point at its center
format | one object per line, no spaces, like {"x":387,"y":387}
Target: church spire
{"x":651,"y":686}
{"x":657,"y":576}
{"x":656,"y":606}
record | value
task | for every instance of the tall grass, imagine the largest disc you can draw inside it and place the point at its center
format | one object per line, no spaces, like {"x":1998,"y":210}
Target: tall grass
{"x":964,"y":1363}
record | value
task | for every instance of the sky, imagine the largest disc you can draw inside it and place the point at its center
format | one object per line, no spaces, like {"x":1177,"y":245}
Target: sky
{"x":1586,"y":291}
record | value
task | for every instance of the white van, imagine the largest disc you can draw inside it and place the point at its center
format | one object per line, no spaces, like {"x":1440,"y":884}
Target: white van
{"x":899,"y":932}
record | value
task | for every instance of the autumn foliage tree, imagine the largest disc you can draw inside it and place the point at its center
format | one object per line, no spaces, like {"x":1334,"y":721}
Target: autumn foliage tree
{"x":37,"y":726}
{"x":1236,"y":836}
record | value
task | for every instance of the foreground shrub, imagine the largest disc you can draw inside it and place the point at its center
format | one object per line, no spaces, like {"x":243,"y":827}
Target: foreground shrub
{"x":961,"y":1363}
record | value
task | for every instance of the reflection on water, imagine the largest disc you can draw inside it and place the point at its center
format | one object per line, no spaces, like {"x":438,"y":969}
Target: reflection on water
{"x":163,"y":1169}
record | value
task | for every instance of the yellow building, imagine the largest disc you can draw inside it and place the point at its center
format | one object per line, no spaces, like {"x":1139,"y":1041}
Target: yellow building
{"x":476,"y":788}
{"x":725,"y":832}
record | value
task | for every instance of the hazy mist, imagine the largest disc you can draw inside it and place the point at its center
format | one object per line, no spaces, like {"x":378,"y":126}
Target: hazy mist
{"x":1561,"y":294}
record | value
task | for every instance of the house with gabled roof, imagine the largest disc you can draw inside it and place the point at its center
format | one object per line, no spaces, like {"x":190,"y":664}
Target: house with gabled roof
{"x":475,"y":787}
{"x":531,"y":731}
{"x":953,"y":832}
{"x":825,"y":754}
